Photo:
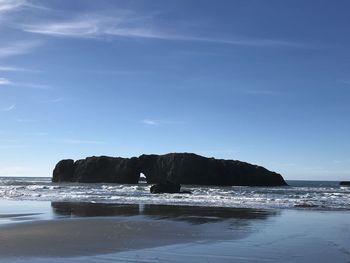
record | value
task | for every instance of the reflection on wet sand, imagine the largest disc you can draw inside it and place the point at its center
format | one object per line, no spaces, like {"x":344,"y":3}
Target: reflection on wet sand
{"x":190,"y":214}
{"x":79,"y":229}
{"x":83,"y":209}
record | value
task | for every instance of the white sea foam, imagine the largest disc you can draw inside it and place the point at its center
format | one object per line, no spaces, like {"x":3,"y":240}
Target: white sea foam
{"x":299,"y":195}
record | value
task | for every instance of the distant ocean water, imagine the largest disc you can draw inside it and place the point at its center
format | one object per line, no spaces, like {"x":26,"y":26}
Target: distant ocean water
{"x":325,"y":195}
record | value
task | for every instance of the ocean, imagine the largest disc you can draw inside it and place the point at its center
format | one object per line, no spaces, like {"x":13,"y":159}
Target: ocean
{"x":41,"y":221}
{"x":319,"y":195}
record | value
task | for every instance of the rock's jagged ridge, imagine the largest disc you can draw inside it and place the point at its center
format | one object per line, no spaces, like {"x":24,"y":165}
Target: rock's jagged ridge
{"x":181,"y":168}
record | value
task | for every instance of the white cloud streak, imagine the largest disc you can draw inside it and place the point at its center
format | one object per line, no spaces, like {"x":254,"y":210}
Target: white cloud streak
{"x":57,"y":100}
{"x":100,"y":26}
{"x":66,"y":29}
{"x":9,"y":108}
{"x":33,"y":85}
{"x":18,"y":48}
{"x":17,"y":69}
{"x":7,"y":82}
{"x":11,"y":5}
{"x":153,"y":122}
{"x":4,"y":81}
{"x":150,"y":122}
{"x":39,"y":134}
{"x":25,"y":120}
{"x":119,"y":72}
{"x":347,"y":82}
{"x":152,"y":34}
{"x":258,"y":92}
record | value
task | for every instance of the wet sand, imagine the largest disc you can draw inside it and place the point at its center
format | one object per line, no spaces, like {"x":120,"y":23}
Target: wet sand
{"x":78,"y":229}
{"x":76,"y":237}
{"x":75,"y":232}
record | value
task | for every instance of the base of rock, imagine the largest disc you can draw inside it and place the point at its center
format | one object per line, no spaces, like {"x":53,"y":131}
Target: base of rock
{"x":168,"y":187}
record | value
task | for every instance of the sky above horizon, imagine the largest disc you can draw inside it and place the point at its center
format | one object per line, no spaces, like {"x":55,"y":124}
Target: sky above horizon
{"x":266,"y":82}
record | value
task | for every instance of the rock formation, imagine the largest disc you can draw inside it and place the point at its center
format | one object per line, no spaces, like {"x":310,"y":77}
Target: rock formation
{"x":101,"y":169}
{"x":344,"y":183}
{"x":178,"y":168}
{"x":167,"y":187}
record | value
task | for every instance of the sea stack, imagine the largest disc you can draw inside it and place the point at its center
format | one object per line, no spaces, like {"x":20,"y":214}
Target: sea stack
{"x":179,"y":168}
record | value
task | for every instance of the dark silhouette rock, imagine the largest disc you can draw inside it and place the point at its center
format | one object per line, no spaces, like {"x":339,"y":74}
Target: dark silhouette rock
{"x":178,"y":168}
{"x":167,"y":187}
{"x":101,"y":169}
{"x":345,"y":183}
{"x":189,"y":168}
{"x":64,"y":171}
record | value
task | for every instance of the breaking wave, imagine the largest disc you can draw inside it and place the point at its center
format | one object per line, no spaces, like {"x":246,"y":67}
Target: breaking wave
{"x":299,"y":195}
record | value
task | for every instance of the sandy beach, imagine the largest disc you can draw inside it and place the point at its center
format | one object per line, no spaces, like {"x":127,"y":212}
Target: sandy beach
{"x":75,"y":232}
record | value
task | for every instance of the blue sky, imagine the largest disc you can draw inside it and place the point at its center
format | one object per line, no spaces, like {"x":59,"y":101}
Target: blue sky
{"x":267,"y":82}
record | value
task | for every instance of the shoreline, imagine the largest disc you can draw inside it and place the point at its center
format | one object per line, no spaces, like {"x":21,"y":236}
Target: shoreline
{"x":101,"y":232}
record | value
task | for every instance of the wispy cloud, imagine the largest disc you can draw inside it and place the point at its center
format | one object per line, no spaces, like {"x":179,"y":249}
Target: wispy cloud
{"x":258,"y":92}
{"x":33,"y":85}
{"x":9,"y":108}
{"x":25,"y":120}
{"x":119,"y":72}
{"x":345,"y":81}
{"x":39,"y":134}
{"x":154,"y":122}
{"x":8,"y":82}
{"x":86,"y":27}
{"x":343,"y":161}
{"x":18,"y":48}
{"x":92,"y":26}
{"x":18,"y":69}
{"x":11,"y":5}
{"x":78,"y":141}
{"x":156,"y":34}
{"x":57,"y":100}
{"x":4,"y":81}
{"x":150,"y":122}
